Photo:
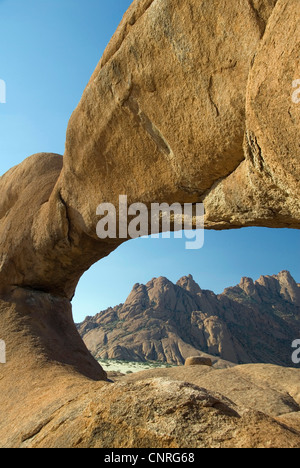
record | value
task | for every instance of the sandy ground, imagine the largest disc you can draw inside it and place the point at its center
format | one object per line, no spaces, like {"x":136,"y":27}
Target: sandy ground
{"x":126,"y":367}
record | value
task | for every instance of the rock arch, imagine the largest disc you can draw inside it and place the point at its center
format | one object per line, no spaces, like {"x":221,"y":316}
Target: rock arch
{"x":184,"y":106}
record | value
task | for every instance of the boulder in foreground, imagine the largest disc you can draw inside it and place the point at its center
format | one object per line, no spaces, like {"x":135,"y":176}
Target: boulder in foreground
{"x":198,"y":361}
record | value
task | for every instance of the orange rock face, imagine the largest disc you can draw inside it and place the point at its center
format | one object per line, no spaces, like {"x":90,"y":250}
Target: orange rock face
{"x":192,"y":101}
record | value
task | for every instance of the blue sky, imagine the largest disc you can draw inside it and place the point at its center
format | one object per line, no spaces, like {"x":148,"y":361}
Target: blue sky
{"x":49,"y":49}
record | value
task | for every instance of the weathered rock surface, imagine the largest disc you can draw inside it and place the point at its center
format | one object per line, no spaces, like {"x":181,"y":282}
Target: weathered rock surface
{"x":164,"y":408}
{"x":163,"y":118}
{"x":264,"y":189}
{"x":269,"y":389}
{"x":160,"y":321}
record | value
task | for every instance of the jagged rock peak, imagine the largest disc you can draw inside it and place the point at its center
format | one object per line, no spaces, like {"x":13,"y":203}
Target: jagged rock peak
{"x":283,"y":276}
{"x":283,"y":284}
{"x":189,"y":284}
{"x":137,"y":295}
{"x":161,"y":280}
{"x":247,"y":284}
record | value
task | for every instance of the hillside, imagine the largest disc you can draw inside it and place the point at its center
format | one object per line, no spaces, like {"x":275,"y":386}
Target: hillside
{"x":253,"y":322}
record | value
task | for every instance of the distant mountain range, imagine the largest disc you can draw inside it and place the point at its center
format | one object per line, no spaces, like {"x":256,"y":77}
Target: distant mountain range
{"x":161,"y":321}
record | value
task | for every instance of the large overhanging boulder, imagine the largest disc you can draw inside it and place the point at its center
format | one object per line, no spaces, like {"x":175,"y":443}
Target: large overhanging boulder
{"x":264,"y":190}
{"x":192,"y":101}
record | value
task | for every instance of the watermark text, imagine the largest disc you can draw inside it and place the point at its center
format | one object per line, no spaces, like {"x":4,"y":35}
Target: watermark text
{"x":296,"y":93}
{"x":2,"y":352}
{"x":138,"y":220}
{"x":2,"y":92}
{"x":296,"y":353}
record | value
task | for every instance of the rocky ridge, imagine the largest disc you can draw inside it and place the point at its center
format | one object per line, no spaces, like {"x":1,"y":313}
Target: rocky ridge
{"x":250,"y":323}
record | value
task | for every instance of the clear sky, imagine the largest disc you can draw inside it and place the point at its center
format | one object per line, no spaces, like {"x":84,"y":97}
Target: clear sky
{"x":49,"y":49}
